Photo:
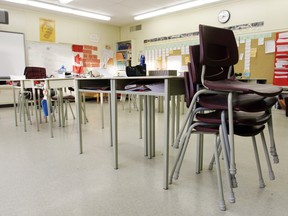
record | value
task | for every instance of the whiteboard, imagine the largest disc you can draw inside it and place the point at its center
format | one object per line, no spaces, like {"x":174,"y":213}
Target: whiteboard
{"x":12,"y":52}
{"x":50,"y":56}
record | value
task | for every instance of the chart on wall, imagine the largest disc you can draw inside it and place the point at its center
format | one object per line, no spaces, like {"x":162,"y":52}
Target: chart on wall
{"x":52,"y":56}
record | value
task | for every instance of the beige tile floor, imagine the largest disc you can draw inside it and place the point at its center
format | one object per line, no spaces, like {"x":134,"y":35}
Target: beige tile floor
{"x":42,"y":176}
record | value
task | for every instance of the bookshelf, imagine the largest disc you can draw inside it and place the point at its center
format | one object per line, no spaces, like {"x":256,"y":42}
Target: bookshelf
{"x":123,"y":54}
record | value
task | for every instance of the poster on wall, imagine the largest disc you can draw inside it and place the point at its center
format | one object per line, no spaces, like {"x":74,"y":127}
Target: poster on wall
{"x":47,"y":30}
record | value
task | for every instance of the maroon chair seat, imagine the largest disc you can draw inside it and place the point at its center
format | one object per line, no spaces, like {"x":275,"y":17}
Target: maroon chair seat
{"x":242,"y":102}
{"x":240,"y":118}
{"x":265,"y":90}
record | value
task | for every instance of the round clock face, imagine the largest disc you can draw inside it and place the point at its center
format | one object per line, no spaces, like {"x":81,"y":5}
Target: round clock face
{"x":224,"y":16}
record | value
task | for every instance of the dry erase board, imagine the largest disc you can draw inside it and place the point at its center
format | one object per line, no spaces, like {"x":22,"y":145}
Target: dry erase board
{"x":49,"y":55}
{"x":12,"y":52}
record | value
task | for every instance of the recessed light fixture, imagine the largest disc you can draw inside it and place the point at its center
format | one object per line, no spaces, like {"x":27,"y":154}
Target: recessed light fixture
{"x":175,"y":8}
{"x":61,"y":9}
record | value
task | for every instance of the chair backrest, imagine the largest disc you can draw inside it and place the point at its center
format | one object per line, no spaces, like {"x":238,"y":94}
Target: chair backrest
{"x":187,"y":89}
{"x":211,"y":72}
{"x":218,"y":47}
{"x":35,"y":73}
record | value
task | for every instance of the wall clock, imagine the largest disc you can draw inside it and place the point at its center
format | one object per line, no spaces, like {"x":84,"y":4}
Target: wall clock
{"x":224,"y":16}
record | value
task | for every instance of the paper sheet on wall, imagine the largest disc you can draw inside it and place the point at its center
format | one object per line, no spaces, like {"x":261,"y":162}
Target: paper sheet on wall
{"x":253,"y":52}
{"x":260,"y":41}
{"x":270,"y":46}
{"x":247,"y":55}
{"x":282,"y":48}
{"x":283,"y":35}
{"x":241,"y":55}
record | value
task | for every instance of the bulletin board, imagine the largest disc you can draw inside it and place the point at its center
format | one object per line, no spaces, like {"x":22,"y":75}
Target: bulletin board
{"x":262,"y":65}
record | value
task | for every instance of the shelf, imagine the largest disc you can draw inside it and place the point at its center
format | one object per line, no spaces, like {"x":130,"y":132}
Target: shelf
{"x":123,"y":54}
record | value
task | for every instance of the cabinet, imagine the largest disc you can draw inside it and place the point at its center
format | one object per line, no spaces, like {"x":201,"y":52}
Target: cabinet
{"x":281,"y":60}
{"x":123,"y":55}
{"x":6,"y":95}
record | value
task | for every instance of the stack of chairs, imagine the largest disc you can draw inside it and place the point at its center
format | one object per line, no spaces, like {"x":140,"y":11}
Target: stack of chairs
{"x":221,"y":105}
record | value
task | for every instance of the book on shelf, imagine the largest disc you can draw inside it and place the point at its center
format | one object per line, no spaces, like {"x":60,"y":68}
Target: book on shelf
{"x":119,"y":56}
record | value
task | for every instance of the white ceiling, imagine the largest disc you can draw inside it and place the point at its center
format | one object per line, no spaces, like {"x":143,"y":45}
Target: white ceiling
{"x":120,"y":11}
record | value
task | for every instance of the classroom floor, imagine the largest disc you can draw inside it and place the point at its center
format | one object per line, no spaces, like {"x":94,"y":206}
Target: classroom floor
{"x":43,"y":176}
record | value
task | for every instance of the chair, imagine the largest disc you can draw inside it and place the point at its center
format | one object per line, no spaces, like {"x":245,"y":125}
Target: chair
{"x":245,"y":124}
{"x":67,"y":100}
{"x":217,"y":57}
{"x":198,"y":127}
{"x":218,"y":48}
{"x":28,"y":96}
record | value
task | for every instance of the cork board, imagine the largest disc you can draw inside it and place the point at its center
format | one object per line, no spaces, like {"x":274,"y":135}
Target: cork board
{"x":262,"y":65}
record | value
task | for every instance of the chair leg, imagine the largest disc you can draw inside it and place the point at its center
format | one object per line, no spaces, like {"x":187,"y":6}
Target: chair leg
{"x":27,"y":110}
{"x":72,"y":110}
{"x":219,"y":178}
{"x":213,"y":157}
{"x":199,"y":149}
{"x":67,"y":103}
{"x":228,"y":149}
{"x":226,"y":162}
{"x":179,"y":158}
{"x":261,"y":180}
{"x":66,"y":108}
{"x":271,"y":173}
{"x":273,"y":150}
{"x":182,"y":154}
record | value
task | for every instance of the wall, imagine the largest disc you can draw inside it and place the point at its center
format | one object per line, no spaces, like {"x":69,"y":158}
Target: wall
{"x":272,"y":12}
{"x":69,"y":29}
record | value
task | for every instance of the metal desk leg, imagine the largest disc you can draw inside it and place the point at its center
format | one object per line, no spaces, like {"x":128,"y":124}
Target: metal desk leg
{"x":78,"y":114}
{"x":114,"y":122}
{"x":172,"y":118}
{"x":61,"y":107}
{"x":140,"y":116}
{"x":110,"y":114}
{"x":49,"y":108}
{"x":35,"y":106}
{"x":15,"y":107}
{"x":102,"y":109}
{"x":39,"y":105}
{"x":153,"y":125}
{"x":182,"y":104}
{"x":149,"y":125}
{"x":84,"y":108}
{"x":23,"y":105}
{"x":146,"y":127}
{"x":177,"y":116}
{"x":166,"y":136}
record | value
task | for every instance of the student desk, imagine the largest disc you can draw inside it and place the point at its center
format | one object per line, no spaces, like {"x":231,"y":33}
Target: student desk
{"x":23,"y":85}
{"x":49,"y":83}
{"x":172,"y":86}
{"x":59,"y":84}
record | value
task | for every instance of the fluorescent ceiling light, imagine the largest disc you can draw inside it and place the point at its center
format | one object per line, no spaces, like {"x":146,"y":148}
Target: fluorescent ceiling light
{"x":65,"y":1}
{"x":61,"y":9}
{"x":174,"y":9}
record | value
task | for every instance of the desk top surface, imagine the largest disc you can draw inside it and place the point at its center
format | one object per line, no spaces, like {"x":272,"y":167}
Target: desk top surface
{"x":131,"y":78}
